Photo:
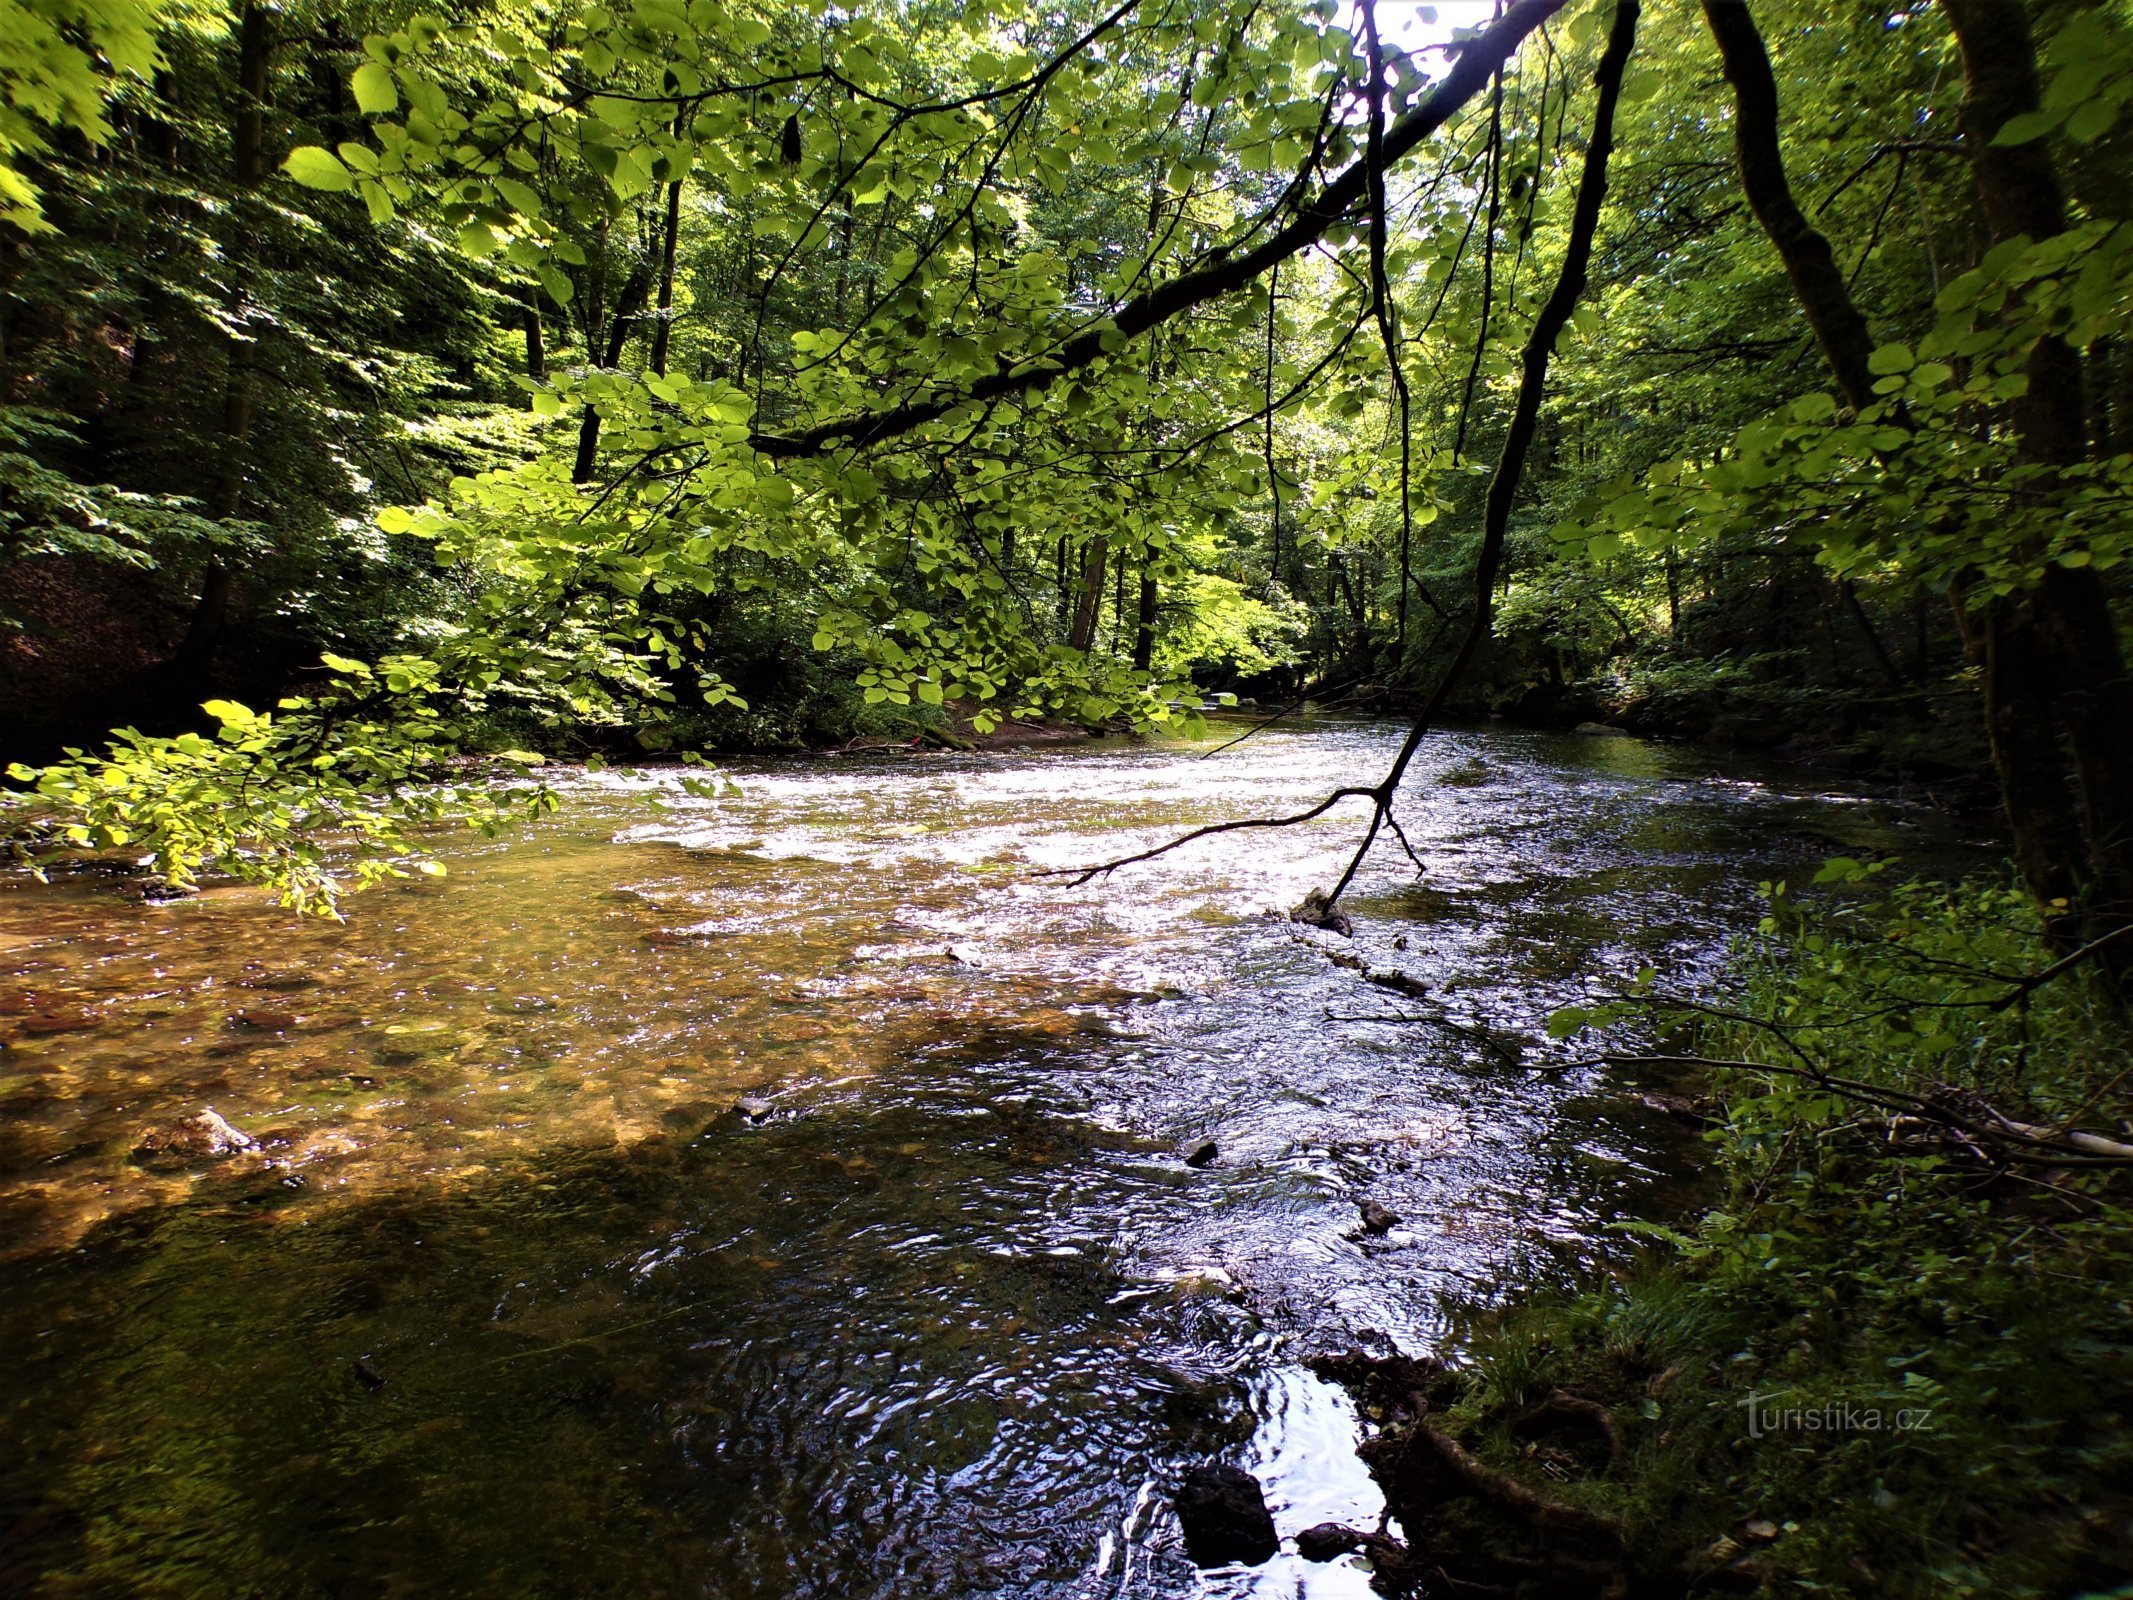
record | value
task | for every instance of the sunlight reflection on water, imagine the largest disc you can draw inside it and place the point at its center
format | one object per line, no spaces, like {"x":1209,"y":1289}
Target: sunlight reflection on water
{"x":945,"y":1323}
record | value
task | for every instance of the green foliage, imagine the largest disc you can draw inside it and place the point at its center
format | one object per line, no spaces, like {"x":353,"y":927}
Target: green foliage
{"x":60,"y":61}
{"x":45,"y":512}
{"x":623,"y":337}
{"x":324,"y":795}
{"x":1960,"y":1337}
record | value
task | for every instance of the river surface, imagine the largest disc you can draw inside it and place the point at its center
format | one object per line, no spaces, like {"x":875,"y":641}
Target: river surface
{"x":511,"y":1301}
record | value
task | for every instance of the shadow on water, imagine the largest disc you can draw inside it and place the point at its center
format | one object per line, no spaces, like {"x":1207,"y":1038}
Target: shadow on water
{"x":512,"y":1301}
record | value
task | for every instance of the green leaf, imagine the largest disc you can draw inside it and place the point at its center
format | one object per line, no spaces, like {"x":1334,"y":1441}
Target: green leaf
{"x":1891,"y":358}
{"x":315,"y":168}
{"x":2027,"y":126}
{"x":1568,"y":1022}
{"x":375,"y":92}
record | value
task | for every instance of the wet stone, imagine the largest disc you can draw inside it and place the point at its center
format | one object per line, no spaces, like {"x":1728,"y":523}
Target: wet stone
{"x":1223,"y":1513}
{"x":1199,"y":1152}
{"x":1327,"y":1541}
{"x":1377,"y":1217}
{"x":1318,"y":911}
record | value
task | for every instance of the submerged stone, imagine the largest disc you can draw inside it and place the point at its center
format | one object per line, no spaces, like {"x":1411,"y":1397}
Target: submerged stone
{"x":200,"y":1137}
{"x":1199,"y":1152}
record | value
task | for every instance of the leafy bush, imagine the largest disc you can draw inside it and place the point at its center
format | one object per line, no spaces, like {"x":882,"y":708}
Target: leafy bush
{"x":1901,"y":1358}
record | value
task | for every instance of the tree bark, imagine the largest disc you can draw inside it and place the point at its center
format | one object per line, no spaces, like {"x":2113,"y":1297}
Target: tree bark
{"x":627,"y":305}
{"x":536,"y":343}
{"x":663,"y":326}
{"x":1089,"y":606}
{"x":1817,"y":281}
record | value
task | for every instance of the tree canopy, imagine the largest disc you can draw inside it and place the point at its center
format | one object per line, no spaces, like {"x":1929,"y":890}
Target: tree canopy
{"x":437,"y":385}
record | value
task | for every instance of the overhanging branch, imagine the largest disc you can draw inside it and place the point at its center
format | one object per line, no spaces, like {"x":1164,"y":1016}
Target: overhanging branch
{"x":1470,"y":72}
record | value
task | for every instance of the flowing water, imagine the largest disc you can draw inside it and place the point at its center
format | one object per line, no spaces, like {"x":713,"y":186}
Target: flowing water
{"x":510,"y":1300}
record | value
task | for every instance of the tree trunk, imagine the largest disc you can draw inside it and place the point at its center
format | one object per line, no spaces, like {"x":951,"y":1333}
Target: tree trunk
{"x":662,"y":327}
{"x":203,"y":634}
{"x":2075,"y":632}
{"x":1817,"y":281}
{"x":536,"y":343}
{"x":2000,"y":636}
{"x":1144,"y":635}
{"x":1082,"y":636}
{"x":627,"y":305}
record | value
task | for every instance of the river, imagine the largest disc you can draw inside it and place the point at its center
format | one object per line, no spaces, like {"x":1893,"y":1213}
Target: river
{"x":511,"y":1301}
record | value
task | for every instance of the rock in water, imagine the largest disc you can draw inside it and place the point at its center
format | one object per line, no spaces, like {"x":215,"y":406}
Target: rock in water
{"x":1319,"y":911}
{"x":1327,"y":1541}
{"x":199,"y":1137}
{"x":1378,"y":1218}
{"x":1224,"y":1515}
{"x":1199,"y":1152}
{"x":1399,"y":982}
{"x":753,"y":1108}
{"x":1602,"y":730}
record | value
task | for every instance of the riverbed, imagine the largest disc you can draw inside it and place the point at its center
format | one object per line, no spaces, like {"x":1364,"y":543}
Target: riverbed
{"x":510,"y":1300}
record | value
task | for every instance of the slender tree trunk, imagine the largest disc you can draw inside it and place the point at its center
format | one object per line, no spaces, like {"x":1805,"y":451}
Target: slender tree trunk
{"x":669,"y":239}
{"x":1548,"y":324}
{"x":627,"y":305}
{"x":210,"y":618}
{"x":1090,"y":604}
{"x":1144,"y":634}
{"x":536,"y":342}
{"x":1817,"y":281}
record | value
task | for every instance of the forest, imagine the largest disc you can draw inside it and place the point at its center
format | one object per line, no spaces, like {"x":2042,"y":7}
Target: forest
{"x":610,"y":617}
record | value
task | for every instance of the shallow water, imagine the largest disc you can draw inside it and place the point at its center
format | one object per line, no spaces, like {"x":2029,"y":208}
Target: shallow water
{"x":950,"y":1319}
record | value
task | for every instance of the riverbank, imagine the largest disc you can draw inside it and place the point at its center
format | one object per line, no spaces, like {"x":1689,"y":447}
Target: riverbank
{"x":1890,"y":1357}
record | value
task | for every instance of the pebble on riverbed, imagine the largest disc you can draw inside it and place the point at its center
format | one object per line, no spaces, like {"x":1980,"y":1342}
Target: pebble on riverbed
{"x":204,"y":1136}
{"x":754,"y":1108}
{"x":1199,"y":1152}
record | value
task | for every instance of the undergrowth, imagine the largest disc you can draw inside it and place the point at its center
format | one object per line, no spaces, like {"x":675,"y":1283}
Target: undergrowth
{"x":1884,"y":1361}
